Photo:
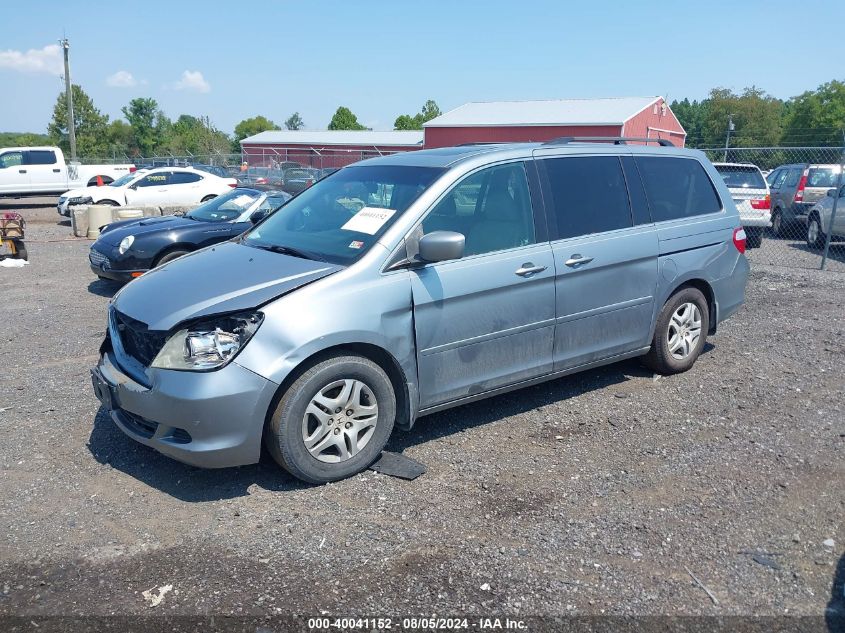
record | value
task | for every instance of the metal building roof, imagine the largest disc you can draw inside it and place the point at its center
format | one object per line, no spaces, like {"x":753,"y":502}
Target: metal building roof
{"x":337,"y":137}
{"x":607,"y":111}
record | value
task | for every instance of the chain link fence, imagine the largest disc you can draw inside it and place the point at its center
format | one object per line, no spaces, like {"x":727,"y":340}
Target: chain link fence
{"x":790,"y":202}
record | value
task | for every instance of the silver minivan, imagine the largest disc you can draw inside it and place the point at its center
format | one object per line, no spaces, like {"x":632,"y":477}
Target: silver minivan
{"x":407,"y":284}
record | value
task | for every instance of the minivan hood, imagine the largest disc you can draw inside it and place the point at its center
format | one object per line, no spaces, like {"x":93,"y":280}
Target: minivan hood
{"x":222,"y":278}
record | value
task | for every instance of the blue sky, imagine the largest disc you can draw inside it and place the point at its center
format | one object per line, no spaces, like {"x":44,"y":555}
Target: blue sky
{"x":231,"y":60}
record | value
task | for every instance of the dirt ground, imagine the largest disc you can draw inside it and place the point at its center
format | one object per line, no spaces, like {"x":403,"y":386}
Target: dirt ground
{"x":600,"y":493}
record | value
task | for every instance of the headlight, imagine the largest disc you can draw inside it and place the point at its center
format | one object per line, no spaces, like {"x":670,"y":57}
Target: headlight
{"x":125,"y":243}
{"x":208,"y":344}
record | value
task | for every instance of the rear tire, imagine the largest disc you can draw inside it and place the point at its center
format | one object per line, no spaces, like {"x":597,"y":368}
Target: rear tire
{"x":753,"y":237}
{"x":815,"y":235}
{"x":169,"y":257}
{"x":108,"y":203}
{"x":777,"y":223}
{"x":333,"y":421}
{"x":680,"y":333}
{"x":207,"y":198}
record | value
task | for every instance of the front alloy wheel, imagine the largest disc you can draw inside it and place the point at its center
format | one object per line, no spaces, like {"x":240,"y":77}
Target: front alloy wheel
{"x":334,"y":420}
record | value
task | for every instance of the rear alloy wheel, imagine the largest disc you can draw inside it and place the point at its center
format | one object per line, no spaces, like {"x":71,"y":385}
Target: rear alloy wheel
{"x":333,"y":421}
{"x":815,"y":234}
{"x":680,"y":333}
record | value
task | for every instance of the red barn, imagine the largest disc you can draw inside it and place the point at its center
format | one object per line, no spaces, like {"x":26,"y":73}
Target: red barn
{"x":507,"y":121}
{"x":325,"y":148}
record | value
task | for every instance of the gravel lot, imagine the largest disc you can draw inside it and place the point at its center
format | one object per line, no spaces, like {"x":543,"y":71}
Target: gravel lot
{"x":594,"y":494}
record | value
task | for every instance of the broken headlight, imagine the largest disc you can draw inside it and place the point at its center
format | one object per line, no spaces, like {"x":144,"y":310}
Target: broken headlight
{"x":208,"y":344}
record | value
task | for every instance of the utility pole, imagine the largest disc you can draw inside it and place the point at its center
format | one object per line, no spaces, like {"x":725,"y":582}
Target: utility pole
{"x":728,"y":139}
{"x":71,"y":128}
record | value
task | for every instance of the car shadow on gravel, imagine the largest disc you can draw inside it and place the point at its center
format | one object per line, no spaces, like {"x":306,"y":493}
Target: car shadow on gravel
{"x":111,"y":447}
{"x":835,"y":252}
{"x":104,"y":287}
{"x":834,"y":614}
{"x":490,"y":410}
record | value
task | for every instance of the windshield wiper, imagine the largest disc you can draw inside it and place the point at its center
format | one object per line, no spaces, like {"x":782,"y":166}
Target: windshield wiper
{"x":286,"y":250}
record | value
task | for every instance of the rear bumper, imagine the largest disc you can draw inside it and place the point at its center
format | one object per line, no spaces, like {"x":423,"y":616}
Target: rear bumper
{"x":206,"y":419}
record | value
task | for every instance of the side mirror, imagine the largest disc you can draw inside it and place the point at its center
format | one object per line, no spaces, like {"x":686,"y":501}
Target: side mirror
{"x":441,"y":246}
{"x":134,"y":186}
{"x":256,"y":216}
{"x":830,"y":193}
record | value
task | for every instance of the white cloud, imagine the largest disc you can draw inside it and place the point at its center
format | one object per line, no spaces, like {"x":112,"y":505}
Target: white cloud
{"x":35,"y":60}
{"x":193,"y":81}
{"x":121,"y":79}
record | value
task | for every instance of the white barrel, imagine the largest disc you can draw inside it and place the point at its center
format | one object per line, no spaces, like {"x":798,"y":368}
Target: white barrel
{"x":130,"y":214}
{"x":98,"y":215}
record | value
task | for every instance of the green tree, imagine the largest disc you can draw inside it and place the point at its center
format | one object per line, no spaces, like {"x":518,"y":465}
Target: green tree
{"x":90,"y":125}
{"x":23,"y":139}
{"x":816,"y":117}
{"x":252,"y":126}
{"x":407,"y":122}
{"x":119,"y":136}
{"x":756,"y":117}
{"x":147,"y":122}
{"x":691,"y":114}
{"x":344,"y":119}
{"x":294,"y":122}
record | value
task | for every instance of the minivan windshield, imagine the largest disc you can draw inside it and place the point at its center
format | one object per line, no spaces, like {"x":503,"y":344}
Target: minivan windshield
{"x":342,"y":216}
{"x":745,"y":177}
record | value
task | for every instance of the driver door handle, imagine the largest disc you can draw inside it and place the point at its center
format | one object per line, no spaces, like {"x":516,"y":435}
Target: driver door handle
{"x":577,"y":260}
{"x":528,"y":269}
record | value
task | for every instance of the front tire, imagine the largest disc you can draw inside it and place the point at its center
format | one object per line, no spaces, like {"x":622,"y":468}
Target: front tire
{"x":333,"y":421}
{"x":815,"y":235}
{"x":680,"y":333}
{"x":207,"y":198}
{"x":169,"y":257}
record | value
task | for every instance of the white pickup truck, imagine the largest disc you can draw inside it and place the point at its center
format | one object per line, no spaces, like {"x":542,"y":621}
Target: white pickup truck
{"x":38,"y":171}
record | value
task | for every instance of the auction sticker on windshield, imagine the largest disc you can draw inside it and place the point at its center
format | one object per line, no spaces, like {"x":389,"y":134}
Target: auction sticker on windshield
{"x":368,"y":220}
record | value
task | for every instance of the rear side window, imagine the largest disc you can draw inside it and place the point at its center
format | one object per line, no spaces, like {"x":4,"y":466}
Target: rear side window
{"x":588,"y":194}
{"x":183,"y":178}
{"x":41,"y":157}
{"x":792,"y":177}
{"x":677,"y":187}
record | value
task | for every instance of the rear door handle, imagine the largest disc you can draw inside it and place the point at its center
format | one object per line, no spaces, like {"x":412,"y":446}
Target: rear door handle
{"x":56,"y":171}
{"x":577,"y":260}
{"x":528,"y":269}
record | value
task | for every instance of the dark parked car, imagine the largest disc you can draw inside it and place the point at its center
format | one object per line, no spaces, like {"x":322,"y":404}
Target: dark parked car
{"x":297,"y":180}
{"x":213,"y":169}
{"x":129,"y":248}
{"x":261,"y":176}
{"x":795,"y":189}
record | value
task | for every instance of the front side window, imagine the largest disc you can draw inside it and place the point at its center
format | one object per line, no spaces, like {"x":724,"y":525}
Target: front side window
{"x":777,"y":183}
{"x":11,"y":159}
{"x":154,"y":180}
{"x":677,"y":187}
{"x":588,"y":194}
{"x":342,"y":216}
{"x":491,"y":208}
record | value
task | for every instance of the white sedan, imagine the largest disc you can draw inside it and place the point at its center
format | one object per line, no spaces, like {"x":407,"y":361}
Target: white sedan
{"x":160,"y":186}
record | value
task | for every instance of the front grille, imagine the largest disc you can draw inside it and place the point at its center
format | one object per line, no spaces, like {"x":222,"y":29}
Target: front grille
{"x":98,"y":259}
{"x":137,"y":339}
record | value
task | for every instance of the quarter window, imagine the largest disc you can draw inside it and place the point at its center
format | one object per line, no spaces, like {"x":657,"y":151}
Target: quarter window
{"x":588,"y":194}
{"x":491,"y":208}
{"x":677,"y":187}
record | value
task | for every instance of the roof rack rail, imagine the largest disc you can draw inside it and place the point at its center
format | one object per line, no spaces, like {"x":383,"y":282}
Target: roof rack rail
{"x":616,"y":140}
{"x":479,"y":143}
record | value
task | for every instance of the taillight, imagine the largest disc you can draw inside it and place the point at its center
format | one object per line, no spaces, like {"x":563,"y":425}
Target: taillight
{"x":765,"y":203}
{"x":739,"y":239}
{"x":133,"y":169}
{"x":309,"y":183}
{"x":233,"y":184}
{"x":799,"y":194}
